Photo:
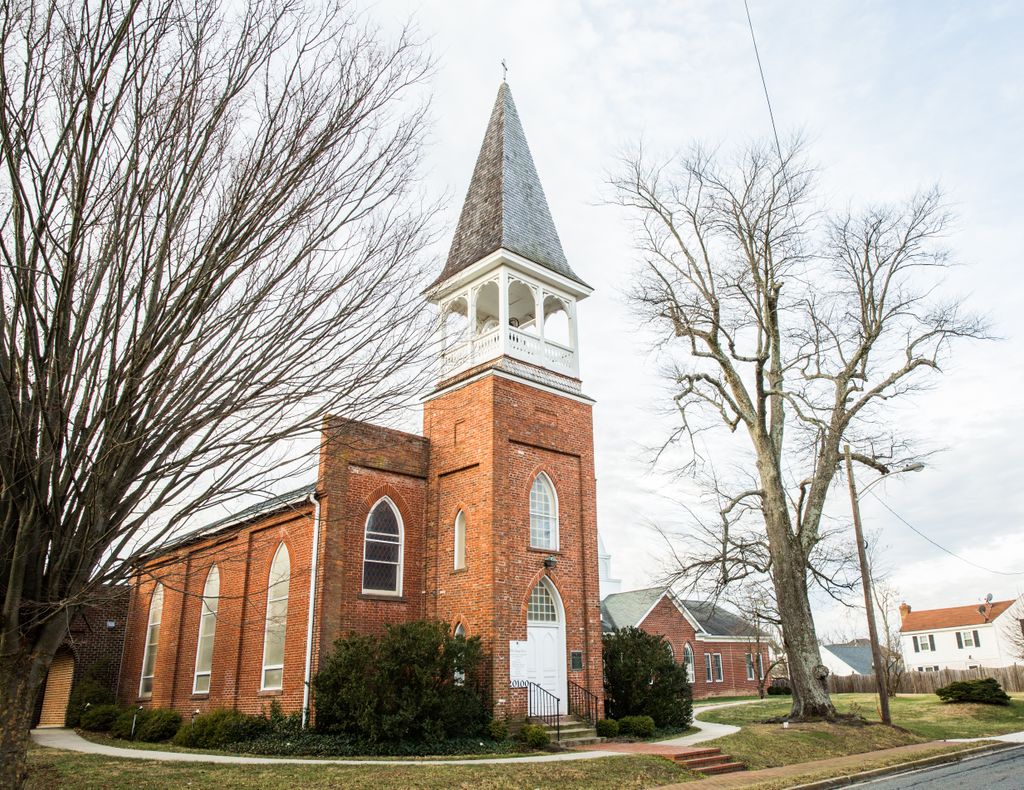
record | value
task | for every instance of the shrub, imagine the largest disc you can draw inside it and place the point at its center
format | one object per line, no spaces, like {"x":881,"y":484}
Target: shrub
{"x":985,"y":691}
{"x":643,"y":679}
{"x":99,"y":718}
{"x":779,"y":690}
{"x":639,"y":726}
{"x":91,"y":690}
{"x":416,"y":682}
{"x":152,"y":725}
{"x":607,"y":728}
{"x":535,"y":736}
{"x":157,"y":724}
{"x":310,"y":743}
{"x":498,"y":730}
{"x":217,"y":728}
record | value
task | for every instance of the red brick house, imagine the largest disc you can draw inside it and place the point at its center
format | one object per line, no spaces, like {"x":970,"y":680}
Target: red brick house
{"x":722,"y":652}
{"x":487,"y":521}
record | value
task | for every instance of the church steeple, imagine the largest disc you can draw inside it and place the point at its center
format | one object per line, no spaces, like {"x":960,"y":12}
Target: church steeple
{"x":505,"y":207}
{"x":507,"y":294}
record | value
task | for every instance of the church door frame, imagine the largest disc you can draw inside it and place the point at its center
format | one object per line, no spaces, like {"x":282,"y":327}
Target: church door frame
{"x":540,"y":635}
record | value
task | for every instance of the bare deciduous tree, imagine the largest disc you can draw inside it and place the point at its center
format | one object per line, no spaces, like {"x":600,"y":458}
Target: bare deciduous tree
{"x":209,"y":238}
{"x":793,"y":329}
{"x":887,"y":601}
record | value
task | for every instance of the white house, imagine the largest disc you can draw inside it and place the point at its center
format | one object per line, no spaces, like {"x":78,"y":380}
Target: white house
{"x":962,"y":637}
{"x":852,"y":658}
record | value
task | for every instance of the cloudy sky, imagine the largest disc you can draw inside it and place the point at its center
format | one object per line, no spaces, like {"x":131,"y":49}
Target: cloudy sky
{"x":893,"y":98}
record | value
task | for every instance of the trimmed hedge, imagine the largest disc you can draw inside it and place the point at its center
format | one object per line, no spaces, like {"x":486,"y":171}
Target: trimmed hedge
{"x":88,"y":693}
{"x":217,"y":728}
{"x":99,"y":718}
{"x":535,"y":736}
{"x":309,"y":743}
{"x":152,"y":725}
{"x":779,"y":691}
{"x":607,"y":728}
{"x":986,"y":691}
{"x":639,"y":726}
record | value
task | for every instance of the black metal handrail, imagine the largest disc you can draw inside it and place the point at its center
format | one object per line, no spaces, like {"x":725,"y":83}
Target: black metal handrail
{"x":544,"y":706}
{"x":582,"y":703}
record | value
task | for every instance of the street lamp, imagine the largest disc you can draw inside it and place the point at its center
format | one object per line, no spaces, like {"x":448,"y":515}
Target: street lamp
{"x":865,"y":576}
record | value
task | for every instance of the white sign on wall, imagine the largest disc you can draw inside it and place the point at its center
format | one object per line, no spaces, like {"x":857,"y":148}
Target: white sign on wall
{"x":517,"y":671}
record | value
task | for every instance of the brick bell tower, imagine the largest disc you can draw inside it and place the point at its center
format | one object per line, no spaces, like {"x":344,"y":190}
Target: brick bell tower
{"x":512,"y":525}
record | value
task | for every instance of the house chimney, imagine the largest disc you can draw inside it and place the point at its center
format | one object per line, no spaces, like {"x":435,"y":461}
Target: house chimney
{"x":904,"y":611}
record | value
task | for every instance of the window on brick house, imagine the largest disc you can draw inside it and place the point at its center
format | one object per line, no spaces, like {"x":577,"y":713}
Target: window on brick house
{"x":460,"y":674}
{"x":156,"y":608}
{"x":671,"y":651}
{"x":719,"y":675}
{"x":707,"y":667}
{"x":543,"y":514}
{"x":688,"y":662}
{"x":460,"y":541}
{"x":277,"y":619}
{"x":382,"y":550}
{"x":207,"y":628}
{"x":755,"y":659}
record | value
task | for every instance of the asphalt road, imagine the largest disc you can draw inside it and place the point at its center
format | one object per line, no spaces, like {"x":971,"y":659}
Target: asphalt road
{"x":1002,"y":770}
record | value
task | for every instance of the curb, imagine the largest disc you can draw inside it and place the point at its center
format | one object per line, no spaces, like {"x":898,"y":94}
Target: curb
{"x":892,"y":770}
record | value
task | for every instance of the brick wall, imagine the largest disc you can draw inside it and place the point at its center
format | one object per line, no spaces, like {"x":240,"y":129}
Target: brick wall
{"x":666,"y":620}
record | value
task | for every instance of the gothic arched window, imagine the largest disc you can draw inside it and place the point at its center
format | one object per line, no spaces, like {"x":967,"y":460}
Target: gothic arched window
{"x":543,"y":514}
{"x":691,"y":674}
{"x":460,"y":541}
{"x":207,"y":629}
{"x":382,"y":550}
{"x":156,"y":608}
{"x":277,"y":619}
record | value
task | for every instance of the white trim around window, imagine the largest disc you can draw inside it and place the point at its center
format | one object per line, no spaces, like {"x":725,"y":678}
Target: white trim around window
{"x":275,"y":629}
{"x":543,"y":513}
{"x":156,"y":608}
{"x":383,"y":549}
{"x":719,"y":673}
{"x":460,"y":541}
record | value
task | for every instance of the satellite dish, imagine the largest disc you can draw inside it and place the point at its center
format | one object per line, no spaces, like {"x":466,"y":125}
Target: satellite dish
{"x":988,"y":598}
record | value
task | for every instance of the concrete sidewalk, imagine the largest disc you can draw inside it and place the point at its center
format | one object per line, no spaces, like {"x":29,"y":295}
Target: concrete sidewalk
{"x":73,"y":742}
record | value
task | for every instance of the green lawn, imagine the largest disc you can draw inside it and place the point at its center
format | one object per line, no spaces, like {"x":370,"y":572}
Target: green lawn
{"x":700,"y":703}
{"x":922,"y":714}
{"x":52,"y":768}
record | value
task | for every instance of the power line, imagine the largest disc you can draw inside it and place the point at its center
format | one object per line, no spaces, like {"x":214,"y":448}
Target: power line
{"x":764,"y":82}
{"x":939,"y":545}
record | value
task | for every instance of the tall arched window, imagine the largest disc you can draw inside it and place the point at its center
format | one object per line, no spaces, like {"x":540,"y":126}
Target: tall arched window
{"x":277,"y":619}
{"x":156,"y":608}
{"x":460,"y":541}
{"x":460,"y":673}
{"x":382,"y":550}
{"x":691,"y":674}
{"x":207,"y":628}
{"x":543,"y":514}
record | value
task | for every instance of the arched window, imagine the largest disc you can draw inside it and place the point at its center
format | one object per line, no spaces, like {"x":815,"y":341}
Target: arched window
{"x":207,"y":627}
{"x":541,"y":607}
{"x":460,"y":541}
{"x":671,"y":650}
{"x":543,"y":514}
{"x":691,"y":674}
{"x":277,"y":619}
{"x":382,"y":550}
{"x":460,"y":673}
{"x":156,"y":608}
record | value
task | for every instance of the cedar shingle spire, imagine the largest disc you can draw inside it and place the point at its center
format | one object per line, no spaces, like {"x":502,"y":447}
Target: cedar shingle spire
{"x":505,"y":205}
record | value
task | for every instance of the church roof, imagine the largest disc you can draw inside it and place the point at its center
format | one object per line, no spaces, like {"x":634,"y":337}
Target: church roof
{"x":505,"y":205}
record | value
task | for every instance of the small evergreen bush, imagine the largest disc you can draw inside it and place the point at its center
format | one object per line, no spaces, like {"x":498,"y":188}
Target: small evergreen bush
{"x":498,"y":730}
{"x":779,"y":691}
{"x":534,"y":736}
{"x":986,"y":691}
{"x":638,"y":726}
{"x":217,"y":728}
{"x":90,"y":691}
{"x":157,"y":724}
{"x":310,"y":743}
{"x":607,"y":728}
{"x":99,"y":718}
{"x":122,"y":726}
{"x":643,"y":679}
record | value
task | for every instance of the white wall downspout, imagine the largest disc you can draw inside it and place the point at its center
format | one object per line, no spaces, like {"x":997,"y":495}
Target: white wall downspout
{"x":315,"y":555}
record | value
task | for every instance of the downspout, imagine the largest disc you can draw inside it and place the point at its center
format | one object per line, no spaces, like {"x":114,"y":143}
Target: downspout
{"x":315,"y":558}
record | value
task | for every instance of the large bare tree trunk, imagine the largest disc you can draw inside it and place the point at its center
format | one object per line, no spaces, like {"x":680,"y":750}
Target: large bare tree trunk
{"x":21,"y":677}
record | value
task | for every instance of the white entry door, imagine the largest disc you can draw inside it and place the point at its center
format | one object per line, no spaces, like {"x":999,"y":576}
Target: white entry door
{"x":545,"y":644}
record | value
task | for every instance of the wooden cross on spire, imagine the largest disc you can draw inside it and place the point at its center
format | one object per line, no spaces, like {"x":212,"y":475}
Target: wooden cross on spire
{"x":504,"y":70}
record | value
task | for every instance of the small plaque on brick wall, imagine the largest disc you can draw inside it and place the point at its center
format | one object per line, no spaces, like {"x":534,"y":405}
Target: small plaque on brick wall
{"x":576,"y":660}
{"x":517,"y":662}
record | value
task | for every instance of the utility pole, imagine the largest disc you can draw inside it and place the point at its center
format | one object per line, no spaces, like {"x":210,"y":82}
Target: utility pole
{"x":865,"y":576}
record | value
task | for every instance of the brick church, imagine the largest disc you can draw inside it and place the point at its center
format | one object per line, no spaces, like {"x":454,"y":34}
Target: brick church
{"x":486,"y":521}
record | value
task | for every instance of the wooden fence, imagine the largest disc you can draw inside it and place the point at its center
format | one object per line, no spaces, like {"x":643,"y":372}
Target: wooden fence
{"x":1010,"y":678}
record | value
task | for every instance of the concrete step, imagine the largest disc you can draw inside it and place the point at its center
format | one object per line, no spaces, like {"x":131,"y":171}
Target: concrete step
{"x":699,"y":763}
{"x":572,"y":743}
{"x":708,"y":762}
